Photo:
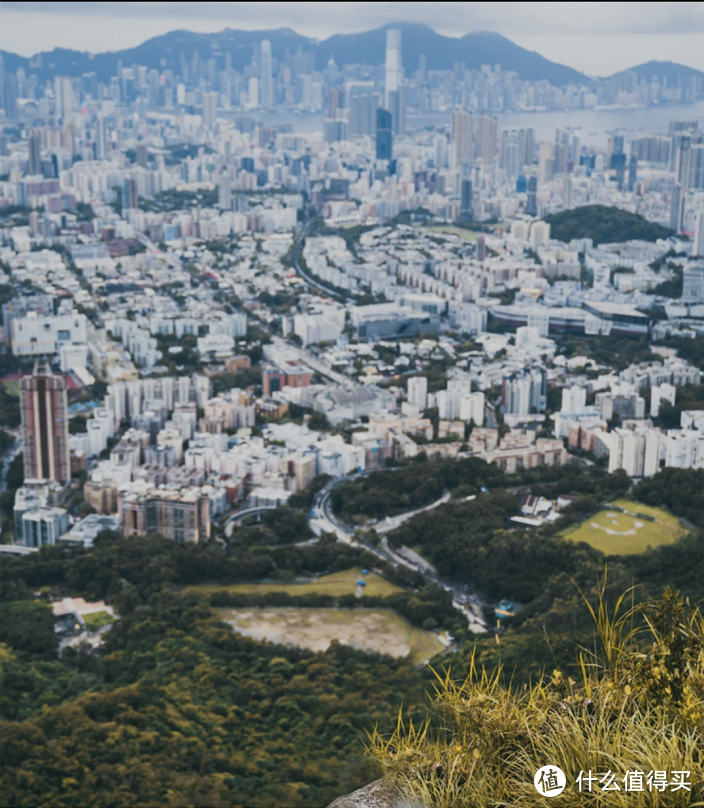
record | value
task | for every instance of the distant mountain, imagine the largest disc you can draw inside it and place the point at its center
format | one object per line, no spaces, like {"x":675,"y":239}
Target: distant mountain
{"x":671,"y":71}
{"x":441,"y":53}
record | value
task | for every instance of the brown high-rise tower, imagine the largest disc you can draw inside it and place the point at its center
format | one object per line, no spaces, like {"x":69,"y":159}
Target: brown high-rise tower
{"x":45,"y":425}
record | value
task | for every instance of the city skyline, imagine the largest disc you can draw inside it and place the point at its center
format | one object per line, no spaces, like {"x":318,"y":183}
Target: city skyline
{"x":585,"y":38}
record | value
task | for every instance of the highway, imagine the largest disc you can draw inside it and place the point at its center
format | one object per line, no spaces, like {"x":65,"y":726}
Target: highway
{"x":295,"y":263}
{"x":237,"y":516}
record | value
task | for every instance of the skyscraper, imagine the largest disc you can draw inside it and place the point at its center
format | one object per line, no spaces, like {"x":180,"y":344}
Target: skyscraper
{"x":210,"y":109}
{"x":683,"y":163}
{"x":63,"y":95}
{"x":101,"y":139}
{"x":546,"y":161}
{"x":266,"y":81}
{"x":45,"y":425}
{"x":225,"y":193}
{"x":677,"y":208}
{"x":632,"y":172}
{"x":466,"y":211}
{"x":393,"y":72}
{"x":361,"y":114}
{"x":34,"y":165}
{"x":532,"y":201}
{"x":9,"y":98}
{"x":461,"y":138}
{"x":129,"y":194}
{"x":384,"y":134}
{"x":397,"y":107}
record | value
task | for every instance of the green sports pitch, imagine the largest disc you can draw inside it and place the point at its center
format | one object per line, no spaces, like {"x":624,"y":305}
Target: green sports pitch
{"x":614,"y":532}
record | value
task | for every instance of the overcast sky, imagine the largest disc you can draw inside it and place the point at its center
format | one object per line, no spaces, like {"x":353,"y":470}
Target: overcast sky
{"x":597,"y":38}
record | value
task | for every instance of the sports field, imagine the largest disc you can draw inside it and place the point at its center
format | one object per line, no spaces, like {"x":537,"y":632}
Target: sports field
{"x":337,"y":583}
{"x":377,"y":630}
{"x":616,"y":533}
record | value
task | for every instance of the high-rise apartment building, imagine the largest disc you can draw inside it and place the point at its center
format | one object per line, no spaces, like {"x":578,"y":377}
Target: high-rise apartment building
{"x":524,"y":392}
{"x":418,"y":392}
{"x":461,"y":138}
{"x":698,"y":244}
{"x":180,"y":515}
{"x":693,"y":284}
{"x":266,"y":80}
{"x":486,"y":139}
{"x":393,"y":69}
{"x":44,"y":414}
{"x":384,"y":134}
{"x":637,"y":451}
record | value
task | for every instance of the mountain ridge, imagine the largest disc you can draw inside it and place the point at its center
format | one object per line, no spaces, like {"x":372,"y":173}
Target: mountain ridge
{"x":367,"y":47}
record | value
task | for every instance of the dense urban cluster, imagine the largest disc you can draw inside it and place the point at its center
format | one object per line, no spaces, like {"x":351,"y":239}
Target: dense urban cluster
{"x":237,"y":350}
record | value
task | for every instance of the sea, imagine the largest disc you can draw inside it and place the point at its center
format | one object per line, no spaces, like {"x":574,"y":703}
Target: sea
{"x":594,"y":126}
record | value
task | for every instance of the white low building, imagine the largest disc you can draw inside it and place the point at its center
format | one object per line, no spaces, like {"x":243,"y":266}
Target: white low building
{"x":35,"y":335}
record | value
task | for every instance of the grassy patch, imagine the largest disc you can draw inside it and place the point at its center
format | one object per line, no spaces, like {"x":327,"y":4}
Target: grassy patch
{"x":451,"y":230}
{"x":336,"y":584}
{"x":376,"y":630}
{"x":615,"y":533}
{"x":96,"y":620}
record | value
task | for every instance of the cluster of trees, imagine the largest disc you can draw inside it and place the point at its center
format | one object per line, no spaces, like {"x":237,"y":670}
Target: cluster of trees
{"x":689,"y":397}
{"x":9,"y":407}
{"x":388,"y":493}
{"x":615,"y":352}
{"x":681,"y":491}
{"x":605,"y":225}
{"x":278,"y":526}
{"x":178,"y":708}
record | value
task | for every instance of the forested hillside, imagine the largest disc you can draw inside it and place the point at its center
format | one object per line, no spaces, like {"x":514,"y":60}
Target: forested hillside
{"x":604,"y":225}
{"x":178,"y":709}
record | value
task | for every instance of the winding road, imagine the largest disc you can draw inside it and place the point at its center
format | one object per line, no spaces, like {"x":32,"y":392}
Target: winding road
{"x":323,"y":520}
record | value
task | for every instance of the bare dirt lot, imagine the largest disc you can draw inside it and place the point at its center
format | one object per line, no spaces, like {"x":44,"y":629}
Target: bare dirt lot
{"x":376,"y":630}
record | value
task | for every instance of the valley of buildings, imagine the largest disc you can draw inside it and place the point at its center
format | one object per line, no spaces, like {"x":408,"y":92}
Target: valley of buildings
{"x":202,"y":313}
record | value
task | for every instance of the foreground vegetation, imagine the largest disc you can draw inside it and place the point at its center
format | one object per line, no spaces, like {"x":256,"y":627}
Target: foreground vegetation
{"x":635,"y":705}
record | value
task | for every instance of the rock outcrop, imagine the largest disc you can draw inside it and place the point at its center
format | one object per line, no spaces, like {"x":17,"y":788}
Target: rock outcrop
{"x":379,"y":794}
